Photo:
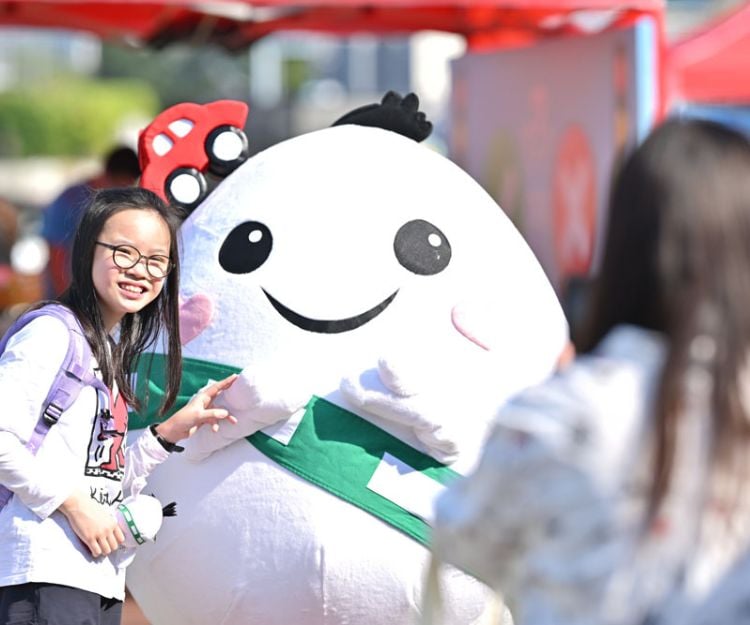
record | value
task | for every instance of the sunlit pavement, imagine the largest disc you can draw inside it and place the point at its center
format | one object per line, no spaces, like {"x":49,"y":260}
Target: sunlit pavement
{"x":131,"y":613}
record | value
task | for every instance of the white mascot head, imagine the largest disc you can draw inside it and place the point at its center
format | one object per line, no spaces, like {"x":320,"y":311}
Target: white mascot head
{"x":378,"y":306}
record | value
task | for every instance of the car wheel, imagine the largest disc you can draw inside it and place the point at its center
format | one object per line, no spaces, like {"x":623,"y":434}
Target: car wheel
{"x":186,"y":187}
{"x":227,"y":148}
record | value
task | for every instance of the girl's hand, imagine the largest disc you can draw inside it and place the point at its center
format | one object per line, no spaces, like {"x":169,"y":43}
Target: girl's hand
{"x":197,"y":412}
{"x":93,"y":524}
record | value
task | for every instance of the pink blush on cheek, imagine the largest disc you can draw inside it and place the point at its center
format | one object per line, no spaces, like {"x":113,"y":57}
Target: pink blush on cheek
{"x":196,"y":314}
{"x":473,"y":325}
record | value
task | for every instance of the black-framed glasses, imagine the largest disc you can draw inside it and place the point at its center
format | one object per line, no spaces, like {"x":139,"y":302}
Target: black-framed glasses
{"x":127,"y":256}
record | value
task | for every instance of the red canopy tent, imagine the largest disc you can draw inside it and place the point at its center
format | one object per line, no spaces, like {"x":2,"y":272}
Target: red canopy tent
{"x":712,"y":65}
{"x":235,"y":24}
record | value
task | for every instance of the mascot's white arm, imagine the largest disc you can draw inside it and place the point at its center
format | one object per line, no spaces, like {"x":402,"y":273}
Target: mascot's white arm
{"x":448,"y":411}
{"x":448,"y":392}
{"x":257,"y":401}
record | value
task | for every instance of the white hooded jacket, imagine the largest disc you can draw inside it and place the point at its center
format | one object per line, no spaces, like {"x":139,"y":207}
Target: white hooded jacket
{"x":85,"y":449}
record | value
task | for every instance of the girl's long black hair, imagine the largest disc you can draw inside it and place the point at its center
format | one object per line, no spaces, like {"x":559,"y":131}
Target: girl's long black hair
{"x":138,"y":331}
{"x":677,"y":260}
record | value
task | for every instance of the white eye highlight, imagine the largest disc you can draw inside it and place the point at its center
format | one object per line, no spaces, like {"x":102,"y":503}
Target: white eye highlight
{"x":254,"y":236}
{"x":435,"y":240}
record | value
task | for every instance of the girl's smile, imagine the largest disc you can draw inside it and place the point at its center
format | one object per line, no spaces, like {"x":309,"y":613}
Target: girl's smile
{"x":131,"y":290}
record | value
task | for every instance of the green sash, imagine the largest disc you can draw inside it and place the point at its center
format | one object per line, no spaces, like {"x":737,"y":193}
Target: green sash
{"x":332,"y":447}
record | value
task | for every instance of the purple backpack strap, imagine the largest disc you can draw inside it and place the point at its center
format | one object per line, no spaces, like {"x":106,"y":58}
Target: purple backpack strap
{"x":75,"y":372}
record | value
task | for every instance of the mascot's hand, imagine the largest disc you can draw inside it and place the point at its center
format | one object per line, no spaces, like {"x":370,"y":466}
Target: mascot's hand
{"x":444,"y":415}
{"x":256,"y":401}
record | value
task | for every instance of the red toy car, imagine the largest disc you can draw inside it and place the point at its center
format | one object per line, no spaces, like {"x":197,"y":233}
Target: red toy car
{"x":186,"y":142}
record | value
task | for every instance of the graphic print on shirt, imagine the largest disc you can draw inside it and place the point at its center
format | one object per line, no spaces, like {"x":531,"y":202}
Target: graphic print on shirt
{"x":106,"y":455}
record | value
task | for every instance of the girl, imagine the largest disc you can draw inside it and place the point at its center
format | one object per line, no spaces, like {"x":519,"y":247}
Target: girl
{"x":58,"y":539}
{"x":617,"y":492}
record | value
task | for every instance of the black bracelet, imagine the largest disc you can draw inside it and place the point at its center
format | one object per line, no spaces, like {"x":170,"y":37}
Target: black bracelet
{"x":170,"y":447}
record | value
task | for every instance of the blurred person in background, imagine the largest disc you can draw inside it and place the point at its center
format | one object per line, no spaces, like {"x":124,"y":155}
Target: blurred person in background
{"x":61,"y":217}
{"x":8,"y":231}
{"x":618,"y":491}
{"x":22,"y":261}
{"x":8,"y":236}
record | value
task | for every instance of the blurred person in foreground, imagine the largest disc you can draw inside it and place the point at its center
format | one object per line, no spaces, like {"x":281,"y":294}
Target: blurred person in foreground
{"x":617,"y":492}
{"x":61,"y":217}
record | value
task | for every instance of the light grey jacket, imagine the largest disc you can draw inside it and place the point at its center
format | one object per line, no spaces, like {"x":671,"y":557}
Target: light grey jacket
{"x":553,"y":515}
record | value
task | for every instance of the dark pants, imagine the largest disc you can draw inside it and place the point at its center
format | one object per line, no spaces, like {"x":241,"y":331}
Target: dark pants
{"x":50,"y":604}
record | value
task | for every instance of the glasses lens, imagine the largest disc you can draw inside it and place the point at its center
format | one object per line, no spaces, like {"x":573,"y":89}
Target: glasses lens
{"x":159,"y":266}
{"x":125,"y":256}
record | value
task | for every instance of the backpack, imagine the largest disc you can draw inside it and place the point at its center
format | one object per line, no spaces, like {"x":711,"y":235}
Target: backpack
{"x":75,"y":372}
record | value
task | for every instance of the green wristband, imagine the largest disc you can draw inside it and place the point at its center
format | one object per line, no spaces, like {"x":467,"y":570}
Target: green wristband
{"x":131,"y":523}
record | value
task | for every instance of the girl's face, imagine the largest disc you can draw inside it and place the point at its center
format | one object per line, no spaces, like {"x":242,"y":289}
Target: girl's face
{"x":121,"y":291}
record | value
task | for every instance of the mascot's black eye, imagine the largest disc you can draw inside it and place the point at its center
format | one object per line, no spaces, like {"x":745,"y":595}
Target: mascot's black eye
{"x":422,"y":248}
{"x":246,"y":248}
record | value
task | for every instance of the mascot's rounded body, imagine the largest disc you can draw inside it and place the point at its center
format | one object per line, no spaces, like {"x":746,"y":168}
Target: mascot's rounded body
{"x":357,"y":266}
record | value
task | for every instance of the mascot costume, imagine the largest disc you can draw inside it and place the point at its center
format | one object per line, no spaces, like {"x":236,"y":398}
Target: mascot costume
{"x":378,"y":306}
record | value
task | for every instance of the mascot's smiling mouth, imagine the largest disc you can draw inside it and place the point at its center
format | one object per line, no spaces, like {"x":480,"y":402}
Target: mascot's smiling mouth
{"x":329,"y":326}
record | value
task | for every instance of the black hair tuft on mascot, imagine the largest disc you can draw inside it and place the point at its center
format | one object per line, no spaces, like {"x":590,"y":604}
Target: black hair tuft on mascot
{"x":401,"y":115}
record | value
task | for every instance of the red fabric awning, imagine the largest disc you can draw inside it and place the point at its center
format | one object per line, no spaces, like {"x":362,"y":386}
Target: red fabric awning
{"x":235,"y":24}
{"x":712,"y":65}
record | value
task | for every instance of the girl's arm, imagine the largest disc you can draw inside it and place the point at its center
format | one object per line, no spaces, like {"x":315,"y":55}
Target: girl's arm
{"x":28,"y":367}
{"x":146,"y":453}
{"x":45,"y":483}
{"x":199,"y":411}
{"x":92,"y":523}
